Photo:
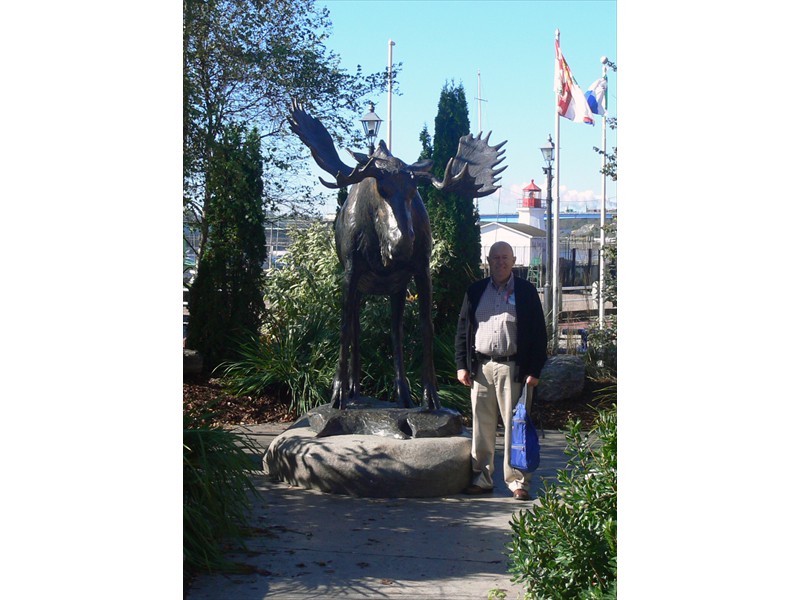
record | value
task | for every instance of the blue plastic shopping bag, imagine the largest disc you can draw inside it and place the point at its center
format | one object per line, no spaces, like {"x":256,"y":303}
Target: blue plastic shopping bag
{"x":524,"y":439}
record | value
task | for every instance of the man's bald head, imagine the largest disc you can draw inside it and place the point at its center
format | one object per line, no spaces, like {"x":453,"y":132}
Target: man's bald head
{"x":498,"y":246}
{"x":501,"y":262}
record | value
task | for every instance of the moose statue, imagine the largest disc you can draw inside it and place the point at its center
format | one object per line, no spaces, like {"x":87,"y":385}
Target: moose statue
{"x":383,"y":239}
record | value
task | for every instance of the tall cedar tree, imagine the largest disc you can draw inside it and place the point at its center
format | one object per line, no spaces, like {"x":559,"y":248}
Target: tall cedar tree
{"x":454,"y":218}
{"x":226,"y":300}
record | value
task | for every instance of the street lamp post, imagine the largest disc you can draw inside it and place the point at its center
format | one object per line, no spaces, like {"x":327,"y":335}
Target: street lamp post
{"x":371,"y":123}
{"x":547,"y":153}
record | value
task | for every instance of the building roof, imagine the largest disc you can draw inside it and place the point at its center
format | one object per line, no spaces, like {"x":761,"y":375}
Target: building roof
{"x":528,"y":230}
{"x":532,"y":187}
{"x":562,"y":216}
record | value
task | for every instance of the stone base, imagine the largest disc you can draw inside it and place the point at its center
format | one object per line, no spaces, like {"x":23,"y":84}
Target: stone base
{"x":192,"y":362}
{"x":368,"y":465}
{"x":369,"y":416}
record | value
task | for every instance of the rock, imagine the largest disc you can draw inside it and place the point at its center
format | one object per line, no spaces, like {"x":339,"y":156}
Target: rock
{"x":368,"y":416}
{"x":563,"y":377}
{"x":434,"y":423}
{"x":370,"y":466}
{"x":192,"y":362}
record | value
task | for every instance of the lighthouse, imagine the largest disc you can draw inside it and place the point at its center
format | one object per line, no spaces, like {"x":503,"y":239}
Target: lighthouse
{"x":531,"y":210}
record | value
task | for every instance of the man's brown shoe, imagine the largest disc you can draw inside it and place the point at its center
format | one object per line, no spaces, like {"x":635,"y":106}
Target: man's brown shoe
{"x":474,"y":490}
{"x":521,"y":494}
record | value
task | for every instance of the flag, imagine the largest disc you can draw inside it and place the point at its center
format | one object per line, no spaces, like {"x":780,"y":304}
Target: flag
{"x":596,"y":96}
{"x":571,"y":102}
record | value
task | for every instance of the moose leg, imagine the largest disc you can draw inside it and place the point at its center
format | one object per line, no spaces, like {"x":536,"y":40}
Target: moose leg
{"x":355,"y":349}
{"x":342,"y":381}
{"x":398,"y":302}
{"x":430,"y":395}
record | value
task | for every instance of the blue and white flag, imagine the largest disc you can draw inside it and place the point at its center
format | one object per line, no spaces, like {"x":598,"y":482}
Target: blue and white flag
{"x":596,"y":96}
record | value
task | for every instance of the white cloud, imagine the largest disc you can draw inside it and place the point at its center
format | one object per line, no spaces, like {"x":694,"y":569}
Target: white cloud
{"x":578,"y":201}
{"x":508,"y":198}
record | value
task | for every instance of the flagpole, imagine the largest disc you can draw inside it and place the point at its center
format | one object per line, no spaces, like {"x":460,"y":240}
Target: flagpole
{"x":389,"y":108}
{"x":480,"y":126}
{"x":601,"y":307}
{"x":480,"y":123}
{"x":554,"y":225}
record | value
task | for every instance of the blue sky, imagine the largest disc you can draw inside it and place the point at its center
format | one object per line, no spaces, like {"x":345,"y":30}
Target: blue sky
{"x":512,"y":44}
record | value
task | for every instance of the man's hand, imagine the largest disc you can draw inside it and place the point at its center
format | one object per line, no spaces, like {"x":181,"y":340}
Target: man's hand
{"x":531,"y":380}
{"x":463,"y":377}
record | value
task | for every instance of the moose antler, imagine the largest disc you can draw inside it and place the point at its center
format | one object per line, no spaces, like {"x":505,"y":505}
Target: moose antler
{"x":313,"y":134}
{"x":474,"y":167}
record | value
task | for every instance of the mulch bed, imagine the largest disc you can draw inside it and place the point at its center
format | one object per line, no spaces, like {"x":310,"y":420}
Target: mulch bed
{"x":200,"y":392}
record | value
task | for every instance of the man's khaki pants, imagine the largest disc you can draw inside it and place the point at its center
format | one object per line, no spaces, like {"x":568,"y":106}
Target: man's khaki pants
{"x":494,"y":394}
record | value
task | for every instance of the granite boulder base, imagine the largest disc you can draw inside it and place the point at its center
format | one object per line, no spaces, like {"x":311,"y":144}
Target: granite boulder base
{"x":369,"y":416}
{"x":563,"y":377}
{"x":387,"y":464}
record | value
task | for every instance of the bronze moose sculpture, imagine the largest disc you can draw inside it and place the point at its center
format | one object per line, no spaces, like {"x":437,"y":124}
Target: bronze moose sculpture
{"x":383,"y":239}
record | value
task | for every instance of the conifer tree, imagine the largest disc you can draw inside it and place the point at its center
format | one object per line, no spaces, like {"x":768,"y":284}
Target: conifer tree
{"x":427,"y":143}
{"x":454,"y":219}
{"x":226,"y":300}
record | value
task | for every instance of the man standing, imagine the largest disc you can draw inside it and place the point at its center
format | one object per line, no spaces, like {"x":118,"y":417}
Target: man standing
{"x":501,"y":344}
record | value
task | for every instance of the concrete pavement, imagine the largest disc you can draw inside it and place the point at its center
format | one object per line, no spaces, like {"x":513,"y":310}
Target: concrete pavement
{"x":308,"y":544}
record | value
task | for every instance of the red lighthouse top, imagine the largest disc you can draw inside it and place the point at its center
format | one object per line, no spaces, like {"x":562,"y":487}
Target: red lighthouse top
{"x":530,"y":196}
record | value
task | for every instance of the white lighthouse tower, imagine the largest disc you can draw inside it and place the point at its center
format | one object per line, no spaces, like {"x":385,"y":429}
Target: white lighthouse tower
{"x":532,"y":211}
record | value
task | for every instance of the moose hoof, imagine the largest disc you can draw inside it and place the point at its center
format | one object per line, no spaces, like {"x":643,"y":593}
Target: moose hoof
{"x":432,"y":400}
{"x":338,"y":397}
{"x":337,"y":401}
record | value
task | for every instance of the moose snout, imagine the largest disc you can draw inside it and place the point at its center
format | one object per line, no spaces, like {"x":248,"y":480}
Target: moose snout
{"x":401,"y":246}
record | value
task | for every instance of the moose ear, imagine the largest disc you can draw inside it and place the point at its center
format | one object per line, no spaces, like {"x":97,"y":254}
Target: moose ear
{"x":421,"y":166}
{"x":361,"y":158}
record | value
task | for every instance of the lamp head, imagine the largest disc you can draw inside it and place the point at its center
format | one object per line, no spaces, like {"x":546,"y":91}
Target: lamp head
{"x":371,"y":123}
{"x":547,"y":149}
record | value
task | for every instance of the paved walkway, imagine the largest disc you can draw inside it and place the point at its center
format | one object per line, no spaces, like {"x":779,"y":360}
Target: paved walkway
{"x":308,"y":544}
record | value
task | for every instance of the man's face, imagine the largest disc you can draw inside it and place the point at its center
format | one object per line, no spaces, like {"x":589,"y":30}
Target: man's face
{"x":501,"y":261}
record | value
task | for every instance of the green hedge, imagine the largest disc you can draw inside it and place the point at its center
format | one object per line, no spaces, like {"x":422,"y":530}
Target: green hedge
{"x":566,"y":546}
{"x":216,"y":492}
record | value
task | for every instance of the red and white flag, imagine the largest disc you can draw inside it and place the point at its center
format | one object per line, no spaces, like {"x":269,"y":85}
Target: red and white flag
{"x":571,"y":102}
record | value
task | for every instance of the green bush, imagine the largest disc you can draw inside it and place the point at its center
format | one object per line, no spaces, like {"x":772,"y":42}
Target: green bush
{"x":216,"y":488}
{"x":376,"y":355}
{"x":298,"y":349}
{"x":601,"y":353}
{"x":601,"y":356}
{"x":298,"y":357}
{"x":566,"y":547}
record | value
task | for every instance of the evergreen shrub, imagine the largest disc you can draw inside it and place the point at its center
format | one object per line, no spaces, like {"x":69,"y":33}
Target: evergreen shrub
{"x":216,"y":491}
{"x":226,"y":298}
{"x":565,"y":548}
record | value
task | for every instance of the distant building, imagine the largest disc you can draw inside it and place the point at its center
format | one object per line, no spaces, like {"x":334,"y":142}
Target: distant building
{"x":277,"y":233}
{"x":526,"y":232}
{"x":527,"y":242}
